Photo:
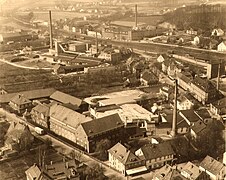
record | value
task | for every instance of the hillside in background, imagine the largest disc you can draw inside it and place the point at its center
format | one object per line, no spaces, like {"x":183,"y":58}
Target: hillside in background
{"x":204,"y":17}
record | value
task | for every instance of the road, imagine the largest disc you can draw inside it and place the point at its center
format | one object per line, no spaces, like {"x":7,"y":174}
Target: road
{"x":64,"y":147}
{"x":25,"y":67}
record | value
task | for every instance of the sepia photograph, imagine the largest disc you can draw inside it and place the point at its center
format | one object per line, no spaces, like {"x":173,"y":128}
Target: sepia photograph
{"x":112,"y":89}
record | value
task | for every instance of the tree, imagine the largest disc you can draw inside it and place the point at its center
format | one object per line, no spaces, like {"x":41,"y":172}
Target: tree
{"x":76,"y":155}
{"x":101,"y":148}
{"x":94,"y":171}
{"x":210,"y":140}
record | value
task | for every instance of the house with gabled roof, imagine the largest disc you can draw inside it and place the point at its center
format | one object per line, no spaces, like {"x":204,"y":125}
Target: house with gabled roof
{"x":162,"y":57}
{"x":184,"y":102}
{"x":191,"y":171}
{"x":124,"y":161}
{"x":148,"y":78}
{"x":219,"y":108}
{"x":64,"y":121}
{"x":156,"y":155}
{"x":40,"y":115}
{"x":20,"y":103}
{"x":34,"y":172}
{"x":197,"y":127}
{"x":89,"y":133}
{"x":215,"y":169}
{"x":203,"y":90}
{"x":222,"y":46}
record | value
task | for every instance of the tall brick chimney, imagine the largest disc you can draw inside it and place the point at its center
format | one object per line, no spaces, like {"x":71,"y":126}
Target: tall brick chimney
{"x":174,"y":123}
{"x":136,"y":16}
{"x":50,"y":31}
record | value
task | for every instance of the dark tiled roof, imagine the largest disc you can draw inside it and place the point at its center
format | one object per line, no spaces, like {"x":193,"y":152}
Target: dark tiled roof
{"x":183,"y":77}
{"x":198,"y":126}
{"x":220,"y":103}
{"x":124,"y":155}
{"x":153,"y":151}
{"x":212,"y":165}
{"x":66,"y":98}
{"x":148,"y":76}
{"x":33,"y":94}
{"x":190,"y":115}
{"x":103,"y":124}
{"x":205,"y":85}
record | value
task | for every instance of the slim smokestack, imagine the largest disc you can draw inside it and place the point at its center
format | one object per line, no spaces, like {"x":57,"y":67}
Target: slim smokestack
{"x":136,"y":15}
{"x":97,"y":42}
{"x":218,"y":76}
{"x":174,"y":124}
{"x":50,"y":31}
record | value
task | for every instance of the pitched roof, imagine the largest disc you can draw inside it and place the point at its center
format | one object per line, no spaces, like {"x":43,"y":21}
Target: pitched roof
{"x":220,"y":103}
{"x":153,"y":151}
{"x":212,"y":165}
{"x":42,"y":108}
{"x":190,"y":115}
{"x":20,"y":99}
{"x":198,"y":126}
{"x":124,"y":155}
{"x":103,"y":124}
{"x":33,"y":94}
{"x":66,"y":115}
{"x":192,"y":170}
{"x":148,"y":76}
{"x":34,"y":172}
{"x":65,"y":98}
{"x":205,"y":85}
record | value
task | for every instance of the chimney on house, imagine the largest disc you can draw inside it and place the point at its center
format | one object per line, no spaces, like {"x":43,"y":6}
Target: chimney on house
{"x":50,"y":31}
{"x":174,"y":123}
{"x":136,"y":16}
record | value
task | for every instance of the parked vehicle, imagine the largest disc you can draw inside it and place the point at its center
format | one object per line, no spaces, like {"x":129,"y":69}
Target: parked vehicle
{"x":39,"y":131}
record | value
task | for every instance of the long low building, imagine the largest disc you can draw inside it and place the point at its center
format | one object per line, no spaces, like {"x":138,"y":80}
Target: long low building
{"x":31,"y":95}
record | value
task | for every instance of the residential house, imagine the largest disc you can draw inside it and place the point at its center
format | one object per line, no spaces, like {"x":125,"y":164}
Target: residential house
{"x":190,"y":116}
{"x":67,"y":100}
{"x":203,"y":90}
{"x":20,"y":103}
{"x":197,"y":127}
{"x":191,"y":171}
{"x":91,"y":132}
{"x":166,"y":91}
{"x":191,"y":31}
{"x":221,"y":47}
{"x":40,"y":115}
{"x":156,"y":155}
{"x":184,"y":102}
{"x":215,"y":169}
{"x":124,"y":161}
{"x":166,"y":124}
{"x":110,"y":55}
{"x":217,"y":32}
{"x":34,"y":172}
{"x":196,"y":40}
{"x":66,"y":169}
{"x":219,"y":108}
{"x":148,"y":78}
{"x":168,"y":172}
{"x":64,"y":121}
{"x":162,"y":57}
{"x":18,"y":136}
